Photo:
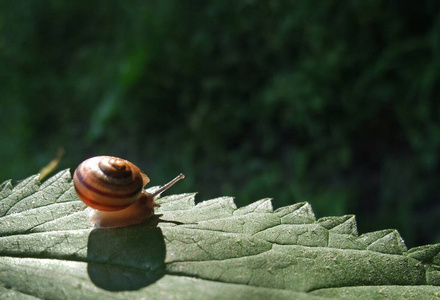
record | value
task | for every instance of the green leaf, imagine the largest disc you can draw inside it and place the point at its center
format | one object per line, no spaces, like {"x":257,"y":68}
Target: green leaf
{"x":48,"y":250}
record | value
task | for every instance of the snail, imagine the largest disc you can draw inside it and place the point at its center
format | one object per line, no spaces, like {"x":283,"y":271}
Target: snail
{"x":114,"y":189}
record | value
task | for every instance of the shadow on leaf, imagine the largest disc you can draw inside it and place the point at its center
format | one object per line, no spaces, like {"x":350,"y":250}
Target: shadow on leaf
{"x":128,"y":258}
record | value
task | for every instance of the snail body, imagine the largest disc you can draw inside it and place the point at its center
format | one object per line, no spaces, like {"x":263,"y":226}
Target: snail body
{"x":114,"y":190}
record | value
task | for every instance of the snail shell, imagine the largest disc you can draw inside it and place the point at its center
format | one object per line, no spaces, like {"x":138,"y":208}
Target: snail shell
{"x":114,"y":188}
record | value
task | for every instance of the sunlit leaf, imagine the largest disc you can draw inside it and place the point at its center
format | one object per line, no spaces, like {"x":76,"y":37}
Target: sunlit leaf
{"x":48,"y":250}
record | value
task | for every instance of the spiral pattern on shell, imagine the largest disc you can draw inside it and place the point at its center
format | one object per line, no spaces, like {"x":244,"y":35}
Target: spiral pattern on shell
{"x":108,"y":183}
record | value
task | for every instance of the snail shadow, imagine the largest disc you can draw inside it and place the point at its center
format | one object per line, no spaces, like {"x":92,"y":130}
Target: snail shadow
{"x":128,"y":258}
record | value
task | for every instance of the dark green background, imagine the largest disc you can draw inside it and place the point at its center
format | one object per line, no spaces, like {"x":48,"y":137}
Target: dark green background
{"x":332,"y":102}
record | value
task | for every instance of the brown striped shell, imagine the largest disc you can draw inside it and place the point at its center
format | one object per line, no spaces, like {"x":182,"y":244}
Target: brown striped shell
{"x":109,"y":183}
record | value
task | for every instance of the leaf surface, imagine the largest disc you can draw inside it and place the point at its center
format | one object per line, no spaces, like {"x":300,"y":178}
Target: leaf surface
{"x":48,"y":250}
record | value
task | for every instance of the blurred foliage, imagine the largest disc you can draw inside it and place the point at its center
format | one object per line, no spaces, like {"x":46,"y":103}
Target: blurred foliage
{"x":331,"y":102}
